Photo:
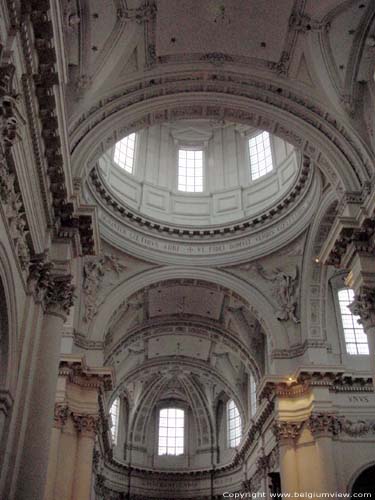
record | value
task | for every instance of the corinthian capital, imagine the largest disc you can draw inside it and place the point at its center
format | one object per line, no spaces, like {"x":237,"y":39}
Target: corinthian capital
{"x":86,"y":424}
{"x":61,"y":415}
{"x":364,"y":307}
{"x":58,"y":294}
{"x":287,"y":430}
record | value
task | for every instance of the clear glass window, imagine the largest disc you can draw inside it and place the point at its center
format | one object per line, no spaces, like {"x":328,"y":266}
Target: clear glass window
{"x":171,"y":431}
{"x":124,"y":153}
{"x":234,"y":424}
{"x":355,"y":337}
{"x":114,"y":413}
{"x":253,"y":396}
{"x":260,"y":155}
{"x":190,"y":171}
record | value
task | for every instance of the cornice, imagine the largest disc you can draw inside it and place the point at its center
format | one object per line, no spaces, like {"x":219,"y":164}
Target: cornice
{"x":74,"y":368}
{"x":36,"y":33}
{"x":226,"y":244}
{"x":297,"y":190}
{"x":304,"y":380}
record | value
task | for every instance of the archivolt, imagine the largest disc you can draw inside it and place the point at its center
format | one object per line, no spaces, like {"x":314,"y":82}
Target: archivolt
{"x":221,"y":96}
{"x":252,"y":298}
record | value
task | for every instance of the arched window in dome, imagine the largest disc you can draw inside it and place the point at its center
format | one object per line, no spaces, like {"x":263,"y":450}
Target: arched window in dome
{"x":171,"y":431}
{"x":190,"y":170}
{"x":354,"y":335}
{"x":114,"y":413}
{"x":260,"y":152}
{"x":253,"y":395}
{"x":125,"y":153}
{"x":234,"y":424}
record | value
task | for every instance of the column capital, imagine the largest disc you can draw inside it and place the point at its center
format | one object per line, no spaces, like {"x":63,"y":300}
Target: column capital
{"x":61,"y":414}
{"x":54,"y":291}
{"x":364,"y":307}
{"x":86,"y":424}
{"x":287,"y":431}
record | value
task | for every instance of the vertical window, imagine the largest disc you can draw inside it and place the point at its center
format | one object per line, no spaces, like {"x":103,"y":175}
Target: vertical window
{"x":190,"y":171}
{"x":234,"y":425}
{"x":124,"y":153}
{"x":171,"y":431}
{"x":260,"y":155}
{"x":253,"y":396}
{"x":114,"y":414}
{"x":355,"y":337}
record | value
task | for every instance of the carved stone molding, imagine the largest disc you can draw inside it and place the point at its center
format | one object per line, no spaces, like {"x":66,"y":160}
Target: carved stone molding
{"x":38,"y":87}
{"x":76,"y":371}
{"x":10,"y":194}
{"x":287,"y":431}
{"x":364,"y":307}
{"x":61,"y":415}
{"x":323,"y":424}
{"x":303,"y":23}
{"x":145,"y":13}
{"x":6,"y":402}
{"x":39,"y":274}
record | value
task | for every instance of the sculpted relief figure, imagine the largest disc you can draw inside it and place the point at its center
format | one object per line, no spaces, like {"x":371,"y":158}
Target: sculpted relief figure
{"x":95,"y":271}
{"x":285,"y":291}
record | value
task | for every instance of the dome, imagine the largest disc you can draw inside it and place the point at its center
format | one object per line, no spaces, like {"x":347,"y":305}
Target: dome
{"x":199,"y":173}
{"x":201,"y":191}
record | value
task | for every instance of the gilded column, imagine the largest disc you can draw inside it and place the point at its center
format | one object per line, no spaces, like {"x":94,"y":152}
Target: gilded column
{"x":86,"y":426}
{"x":323,"y":427}
{"x":287,"y":433}
{"x":60,"y":418}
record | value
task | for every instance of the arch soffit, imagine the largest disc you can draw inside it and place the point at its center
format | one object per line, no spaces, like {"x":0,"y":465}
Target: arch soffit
{"x":303,"y":124}
{"x":256,"y":302}
{"x":198,"y":328}
{"x":8,"y":286}
{"x":314,"y":272}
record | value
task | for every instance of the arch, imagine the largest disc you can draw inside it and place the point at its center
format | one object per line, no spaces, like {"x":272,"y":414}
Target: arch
{"x":193,"y":326}
{"x":363,"y":480}
{"x":231,"y":97}
{"x":258,"y":304}
{"x":315,"y":274}
{"x":8,"y":324}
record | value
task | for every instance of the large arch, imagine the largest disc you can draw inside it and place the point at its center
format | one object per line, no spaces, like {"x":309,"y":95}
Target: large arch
{"x":258,"y":304}
{"x":363,"y":481}
{"x":223,"y":97}
{"x":8,"y":324}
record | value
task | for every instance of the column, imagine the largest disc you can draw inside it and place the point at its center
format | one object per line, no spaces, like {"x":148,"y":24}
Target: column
{"x":57,"y":299}
{"x":323,"y":427}
{"x":63,"y":486}
{"x":286,"y":434}
{"x":362,"y":280}
{"x":86,"y":426}
{"x":78,"y":391}
{"x":60,"y":418}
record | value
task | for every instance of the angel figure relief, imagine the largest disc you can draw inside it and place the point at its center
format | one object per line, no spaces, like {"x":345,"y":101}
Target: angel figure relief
{"x":94,"y":272}
{"x":285,"y":291}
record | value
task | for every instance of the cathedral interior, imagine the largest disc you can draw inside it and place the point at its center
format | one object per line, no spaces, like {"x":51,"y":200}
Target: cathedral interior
{"x":187,"y":222}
